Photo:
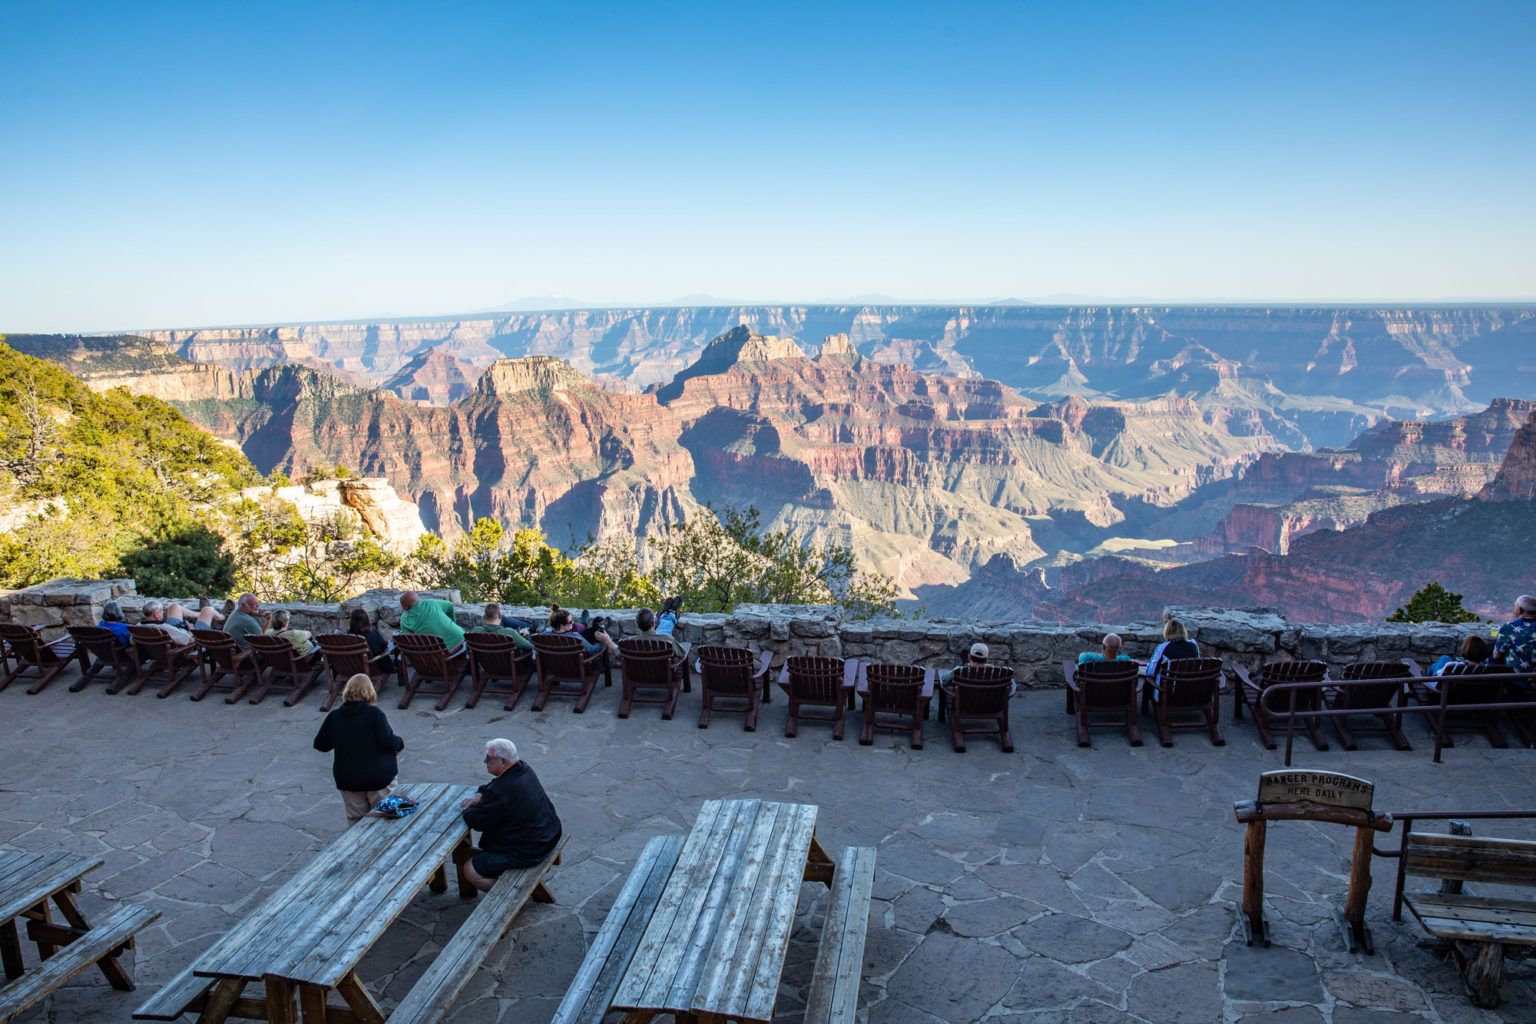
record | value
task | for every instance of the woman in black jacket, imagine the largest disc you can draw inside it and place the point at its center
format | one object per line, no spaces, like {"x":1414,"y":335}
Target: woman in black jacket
{"x":365,"y":746}
{"x":362,"y":625}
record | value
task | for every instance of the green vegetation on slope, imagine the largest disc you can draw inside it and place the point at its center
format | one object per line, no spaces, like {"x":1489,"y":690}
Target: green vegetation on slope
{"x":89,"y":479}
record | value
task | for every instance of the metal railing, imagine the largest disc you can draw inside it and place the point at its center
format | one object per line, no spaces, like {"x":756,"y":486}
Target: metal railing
{"x":1443,"y":686}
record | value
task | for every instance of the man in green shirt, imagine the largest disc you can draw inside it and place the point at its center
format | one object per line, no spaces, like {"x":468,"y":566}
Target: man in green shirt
{"x":430,"y":617}
{"x":492,"y":624}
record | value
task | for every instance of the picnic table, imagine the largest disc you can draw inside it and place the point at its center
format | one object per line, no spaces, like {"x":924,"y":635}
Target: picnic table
{"x":307,"y":939}
{"x":715,"y":944}
{"x":28,"y":881}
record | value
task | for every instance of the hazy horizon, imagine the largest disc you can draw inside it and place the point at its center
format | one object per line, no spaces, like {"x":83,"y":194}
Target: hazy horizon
{"x":287,"y":164}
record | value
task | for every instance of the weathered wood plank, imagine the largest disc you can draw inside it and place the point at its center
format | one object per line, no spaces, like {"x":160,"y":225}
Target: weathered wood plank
{"x":298,"y":913}
{"x":731,"y":952}
{"x":1492,"y":909}
{"x":176,"y":996}
{"x":754,"y":987}
{"x":649,"y":976}
{"x":834,"y":992}
{"x":114,"y":931}
{"x":1471,"y":858}
{"x":591,"y":990}
{"x":31,"y":883}
{"x":430,"y":999}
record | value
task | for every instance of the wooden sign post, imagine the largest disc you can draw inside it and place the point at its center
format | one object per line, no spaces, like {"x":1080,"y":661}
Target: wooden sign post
{"x":1310,"y":796}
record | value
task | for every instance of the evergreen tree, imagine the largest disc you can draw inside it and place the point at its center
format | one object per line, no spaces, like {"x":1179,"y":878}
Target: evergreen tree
{"x":1433,"y":603}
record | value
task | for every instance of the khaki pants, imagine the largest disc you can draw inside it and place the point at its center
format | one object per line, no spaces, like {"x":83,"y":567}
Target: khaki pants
{"x":359,"y":804}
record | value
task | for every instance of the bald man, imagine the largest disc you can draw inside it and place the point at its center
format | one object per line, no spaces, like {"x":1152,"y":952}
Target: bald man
{"x":430,"y":617}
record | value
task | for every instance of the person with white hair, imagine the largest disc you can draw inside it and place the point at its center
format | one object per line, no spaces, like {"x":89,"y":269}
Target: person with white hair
{"x":513,"y":814}
{"x":154,"y":615}
{"x":1515,"y":645}
{"x":1111,"y":652}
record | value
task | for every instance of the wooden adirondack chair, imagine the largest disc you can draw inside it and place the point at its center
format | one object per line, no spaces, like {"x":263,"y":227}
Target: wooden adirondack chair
{"x":900,"y":691}
{"x":223,"y":657}
{"x":425,"y":662}
{"x":495,"y":658}
{"x":562,"y":658}
{"x":1463,"y":687}
{"x":1107,"y":688}
{"x":279,"y":660}
{"x":1250,"y":693}
{"x":101,"y":651}
{"x":26,"y":646}
{"x":346,"y":655}
{"x":159,"y":656}
{"x":1372,"y":700}
{"x":1186,"y":685}
{"x":979,"y":693}
{"x":733,"y":673}
{"x":648,"y":663}
{"x":817,"y":682}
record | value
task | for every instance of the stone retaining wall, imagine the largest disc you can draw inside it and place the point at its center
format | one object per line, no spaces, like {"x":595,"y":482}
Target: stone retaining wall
{"x":1035,"y":649}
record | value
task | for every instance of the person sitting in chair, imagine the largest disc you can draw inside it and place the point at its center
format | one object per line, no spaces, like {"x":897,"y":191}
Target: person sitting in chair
{"x":1473,"y":652}
{"x":1111,"y":651}
{"x":431,"y":617}
{"x":360,"y":623}
{"x":561,"y":623}
{"x":303,"y":642}
{"x":176,"y":615}
{"x":651,"y":626}
{"x":246,"y":620}
{"x":491,"y":622}
{"x":1176,"y":646}
{"x":112,"y":620}
{"x":1515,"y":645}
{"x":978,"y":657}
{"x":154,"y":615}
{"x":517,"y":822}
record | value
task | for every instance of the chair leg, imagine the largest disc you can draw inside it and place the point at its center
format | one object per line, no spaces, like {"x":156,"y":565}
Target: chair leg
{"x":1213,"y":722}
{"x":706,"y":706}
{"x":143,"y":677}
{"x":44,"y":677}
{"x":1083,"y":740}
{"x":1346,"y":738}
{"x":792,"y":720}
{"x":1316,"y":734}
{"x":751,"y":723}
{"x":1133,"y":724}
{"x":476,"y":689}
{"x":1164,"y":726}
{"x":300,"y":688}
{"x":412,"y":683}
{"x":626,"y":699}
{"x":837,"y":724}
{"x":917,"y":732}
{"x":587,"y":686}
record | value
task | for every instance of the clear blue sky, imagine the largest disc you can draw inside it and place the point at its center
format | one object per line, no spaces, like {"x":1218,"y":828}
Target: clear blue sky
{"x":201,"y":163}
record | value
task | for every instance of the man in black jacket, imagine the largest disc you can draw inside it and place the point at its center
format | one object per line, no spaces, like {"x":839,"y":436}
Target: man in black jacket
{"x":518,"y":824}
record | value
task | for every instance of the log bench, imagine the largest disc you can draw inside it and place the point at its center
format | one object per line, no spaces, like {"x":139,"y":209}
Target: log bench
{"x":834,"y":992}
{"x":80,"y":950}
{"x":591,"y":991}
{"x":430,"y":999}
{"x":1478,"y":928}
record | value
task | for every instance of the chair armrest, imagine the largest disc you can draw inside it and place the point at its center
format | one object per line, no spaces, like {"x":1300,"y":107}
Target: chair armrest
{"x":850,"y":673}
{"x":930,"y":682}
{"x":784,"y":673}
{"x":687,"y":649}
{"x":1069,"y":673}
{"x":764,"y":663}
{"x":1242,"y":676}
{"x":1413,"y":666}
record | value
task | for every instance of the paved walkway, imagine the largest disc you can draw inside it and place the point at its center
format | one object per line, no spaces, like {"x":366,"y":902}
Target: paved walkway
{"x":1055,"y":884}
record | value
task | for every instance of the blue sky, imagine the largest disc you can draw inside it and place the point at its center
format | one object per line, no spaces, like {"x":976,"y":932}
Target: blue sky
{"x":181,"y":164}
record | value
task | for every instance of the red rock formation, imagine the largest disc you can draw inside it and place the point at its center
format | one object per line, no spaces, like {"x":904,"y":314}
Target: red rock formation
{"x":1516,"y":479}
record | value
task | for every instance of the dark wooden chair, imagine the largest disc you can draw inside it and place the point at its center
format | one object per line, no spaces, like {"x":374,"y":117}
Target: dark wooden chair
{"x":735,"y":674}
{"x":346,"y":655}
{"x":26,"y":646}
{"x":1250,"y":693}
{"x":1375,"y":699}
{"x":101,"y":651}
{"x":902,"y":692}
{"x":979,"y":693}
{"x":563,"y":658}
{"x":1104,"y":688}
{"x":1462,"y":686}
{"x":279,"y":661}
{"x":810,"y":680}
{"x":426,"y":666}
{"x":649,"y":664}
{"x":494,"y":658}
{"x":223,"y":657}
{"x":1186,"y":685}
{"x":159,"y":656}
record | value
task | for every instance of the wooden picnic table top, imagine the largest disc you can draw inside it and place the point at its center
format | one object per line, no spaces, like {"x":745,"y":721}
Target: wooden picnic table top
{"x":716,"y":941}
{"x":27,"y":879}
{"x":321,"y":922}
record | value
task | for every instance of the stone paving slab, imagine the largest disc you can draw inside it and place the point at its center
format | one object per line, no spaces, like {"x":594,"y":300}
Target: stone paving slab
{"x":1052,"y":885}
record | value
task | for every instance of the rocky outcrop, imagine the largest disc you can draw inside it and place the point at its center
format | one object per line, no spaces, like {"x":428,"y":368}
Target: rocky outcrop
{"x":433,"y":377}
{"x":1516,"y":478}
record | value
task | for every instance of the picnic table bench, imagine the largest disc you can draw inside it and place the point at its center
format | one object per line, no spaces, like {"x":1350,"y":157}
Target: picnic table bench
{"x":1486,"y":923}
{"x":307,"y":939}
{"x":701,"y":928}
{"x":28,"y":881}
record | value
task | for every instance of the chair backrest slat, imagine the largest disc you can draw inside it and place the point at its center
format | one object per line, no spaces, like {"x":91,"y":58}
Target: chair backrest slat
{"x":1190,"y":682}
{"x":560,"y":654}
{"x":893,"y":687}
{"x":427,"y":654}
{"x":727,"y":670}
{"x":982,"y":689}
{"x":645,"y":661}
{"x":815,"y":678}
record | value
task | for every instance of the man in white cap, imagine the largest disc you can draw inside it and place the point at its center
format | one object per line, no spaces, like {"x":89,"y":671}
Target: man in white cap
{"x":979,"y":655}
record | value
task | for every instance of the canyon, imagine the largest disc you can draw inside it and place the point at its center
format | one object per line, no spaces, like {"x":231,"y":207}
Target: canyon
{"x":998,"y":461}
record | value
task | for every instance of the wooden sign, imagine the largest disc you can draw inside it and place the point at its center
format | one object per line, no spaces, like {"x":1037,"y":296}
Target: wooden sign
{"x":1326,"y":789}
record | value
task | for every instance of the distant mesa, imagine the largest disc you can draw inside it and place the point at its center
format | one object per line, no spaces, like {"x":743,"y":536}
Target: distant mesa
{"x":530,"y":373}
{"x":737,"y":347}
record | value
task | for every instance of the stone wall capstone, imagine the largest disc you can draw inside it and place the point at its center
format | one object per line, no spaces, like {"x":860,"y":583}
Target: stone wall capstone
{"x":1036,"y":650}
